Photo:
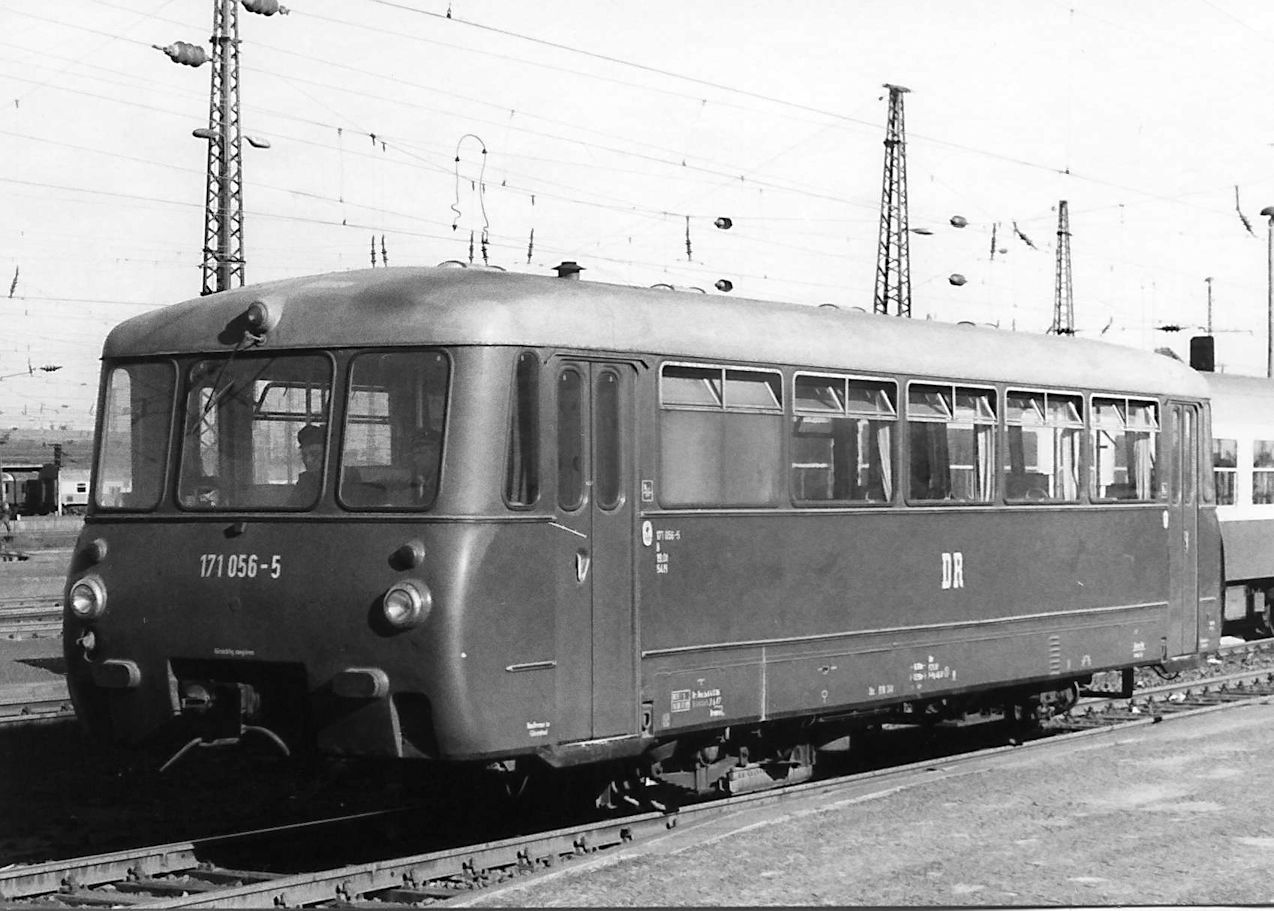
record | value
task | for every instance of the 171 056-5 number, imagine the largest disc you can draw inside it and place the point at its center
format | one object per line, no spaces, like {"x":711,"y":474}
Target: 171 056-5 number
{"x":239,"y":566}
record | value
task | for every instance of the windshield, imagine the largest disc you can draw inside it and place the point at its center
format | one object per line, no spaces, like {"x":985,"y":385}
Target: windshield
{"x":254,"y":432}
{"x":134,"y":440}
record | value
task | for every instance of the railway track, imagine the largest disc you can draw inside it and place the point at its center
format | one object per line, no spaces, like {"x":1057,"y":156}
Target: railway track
{"x":30,"y":617}
{"x":180,"y":875}
{"x":35,"y":623}
{"x":34,"y":703}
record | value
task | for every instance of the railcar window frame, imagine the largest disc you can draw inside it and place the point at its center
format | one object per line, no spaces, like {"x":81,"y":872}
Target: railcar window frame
{"x":609,"y":425}
{"x":407,"y":473}
{"x":720,"y":435}
{"x":1059,"y":411}
{"x":229,"y":435}
{"x":842,"y":411}
{"x":958,"y":412}
{"x":140,"y":450}
{"x":1262,"y":472}
{"x":572,"y":420}
{"x":1101,"y":419}
{"x":1228,"y":468}
{"x":522,"y":480}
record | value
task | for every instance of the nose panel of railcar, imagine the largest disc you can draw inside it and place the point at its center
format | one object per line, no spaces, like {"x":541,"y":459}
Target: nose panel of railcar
{"x":255,"y":625}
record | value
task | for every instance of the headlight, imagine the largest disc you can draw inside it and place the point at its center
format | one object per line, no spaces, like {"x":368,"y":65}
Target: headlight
{"x":88,"y":598}
{"x":406,"y":604}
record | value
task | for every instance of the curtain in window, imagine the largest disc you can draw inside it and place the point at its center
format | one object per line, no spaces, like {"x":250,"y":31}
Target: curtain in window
{"x":1141,"y":464}
{"x":983,"y":455}
{"x":1067,"y":461}
{"x":883,"y":455}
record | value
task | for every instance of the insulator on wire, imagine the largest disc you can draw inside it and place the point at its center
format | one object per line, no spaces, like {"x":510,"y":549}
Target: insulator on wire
{"x":384,"y":257}
{"x":185,"y":53}
{"x":688,"y":256}
{"x":956,"y":279}
{"x":373,"y":251}
{"x":265,"y":7}
{"x":724,"y":223}
{"x":724,"y":284}
{"x":530,"y":247}
{"x":471,"y":248}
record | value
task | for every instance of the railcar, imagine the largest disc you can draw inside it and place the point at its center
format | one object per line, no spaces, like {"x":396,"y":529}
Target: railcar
{"x":1243,"y":471}
{"x":553,"y":523}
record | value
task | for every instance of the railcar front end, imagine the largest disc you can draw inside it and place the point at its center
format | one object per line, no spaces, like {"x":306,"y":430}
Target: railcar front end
{"x":345,"y":592}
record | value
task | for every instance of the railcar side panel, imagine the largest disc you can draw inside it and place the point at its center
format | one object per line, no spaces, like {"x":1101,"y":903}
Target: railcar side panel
{"x":746,"y":616}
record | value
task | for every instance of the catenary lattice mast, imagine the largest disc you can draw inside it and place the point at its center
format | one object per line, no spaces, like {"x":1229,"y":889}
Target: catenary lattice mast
{"x":893,"y":260}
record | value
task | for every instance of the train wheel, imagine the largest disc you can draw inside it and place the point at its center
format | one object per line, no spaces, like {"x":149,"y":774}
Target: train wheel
{"x":1020,"y":718}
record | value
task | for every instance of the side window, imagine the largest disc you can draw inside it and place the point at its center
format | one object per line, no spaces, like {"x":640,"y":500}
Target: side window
{"x":522,"y":481}
{"x":392,"y":444}
{"x":720,"y":436}
{"x":1263,"y":471}
{"x":842,"y":439}
{"x":951,"y":432}
{"x":1225,"y":463}
{"x":1044,"y":433}
{"x":570,"y":439}
{"x":134,"y":443}
{"x":1125,"y":441}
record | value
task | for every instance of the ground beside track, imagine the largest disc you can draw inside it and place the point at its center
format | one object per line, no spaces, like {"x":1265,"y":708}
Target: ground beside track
{"x":1168,"y":814}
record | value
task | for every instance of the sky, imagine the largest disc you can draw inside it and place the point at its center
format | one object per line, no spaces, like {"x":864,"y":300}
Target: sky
{"x":615,"y":134}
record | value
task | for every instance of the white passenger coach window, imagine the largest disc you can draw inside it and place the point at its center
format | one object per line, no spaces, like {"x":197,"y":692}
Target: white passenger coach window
{"x":1263,"y":471}
{"x":1225,"y":462}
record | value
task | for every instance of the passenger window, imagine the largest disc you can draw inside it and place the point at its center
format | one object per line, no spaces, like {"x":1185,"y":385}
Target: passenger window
{"x":522,"y":483}
{"x":570,"y":440}
{"x":1263,"y":471}
{"x":1044,"y":434}
{"x":720,"y":436}
{"x":391,"y":455}
{"x":1125,"y":440}
{"x":951,"y":433}
{"x":1225,"y":463}
{"x":842,"y":439}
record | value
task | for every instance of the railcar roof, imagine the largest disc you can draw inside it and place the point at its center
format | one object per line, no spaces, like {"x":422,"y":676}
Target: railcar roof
{"x":453,"y":306}
{"x":1240,"y":399}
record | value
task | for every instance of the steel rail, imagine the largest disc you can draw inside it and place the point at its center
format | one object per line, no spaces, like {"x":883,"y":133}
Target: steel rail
{"x":456,"y":872}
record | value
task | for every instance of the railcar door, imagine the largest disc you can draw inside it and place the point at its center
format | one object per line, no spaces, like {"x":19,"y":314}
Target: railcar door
{"x":596,"y":663}
{"x":1183,"y":528}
